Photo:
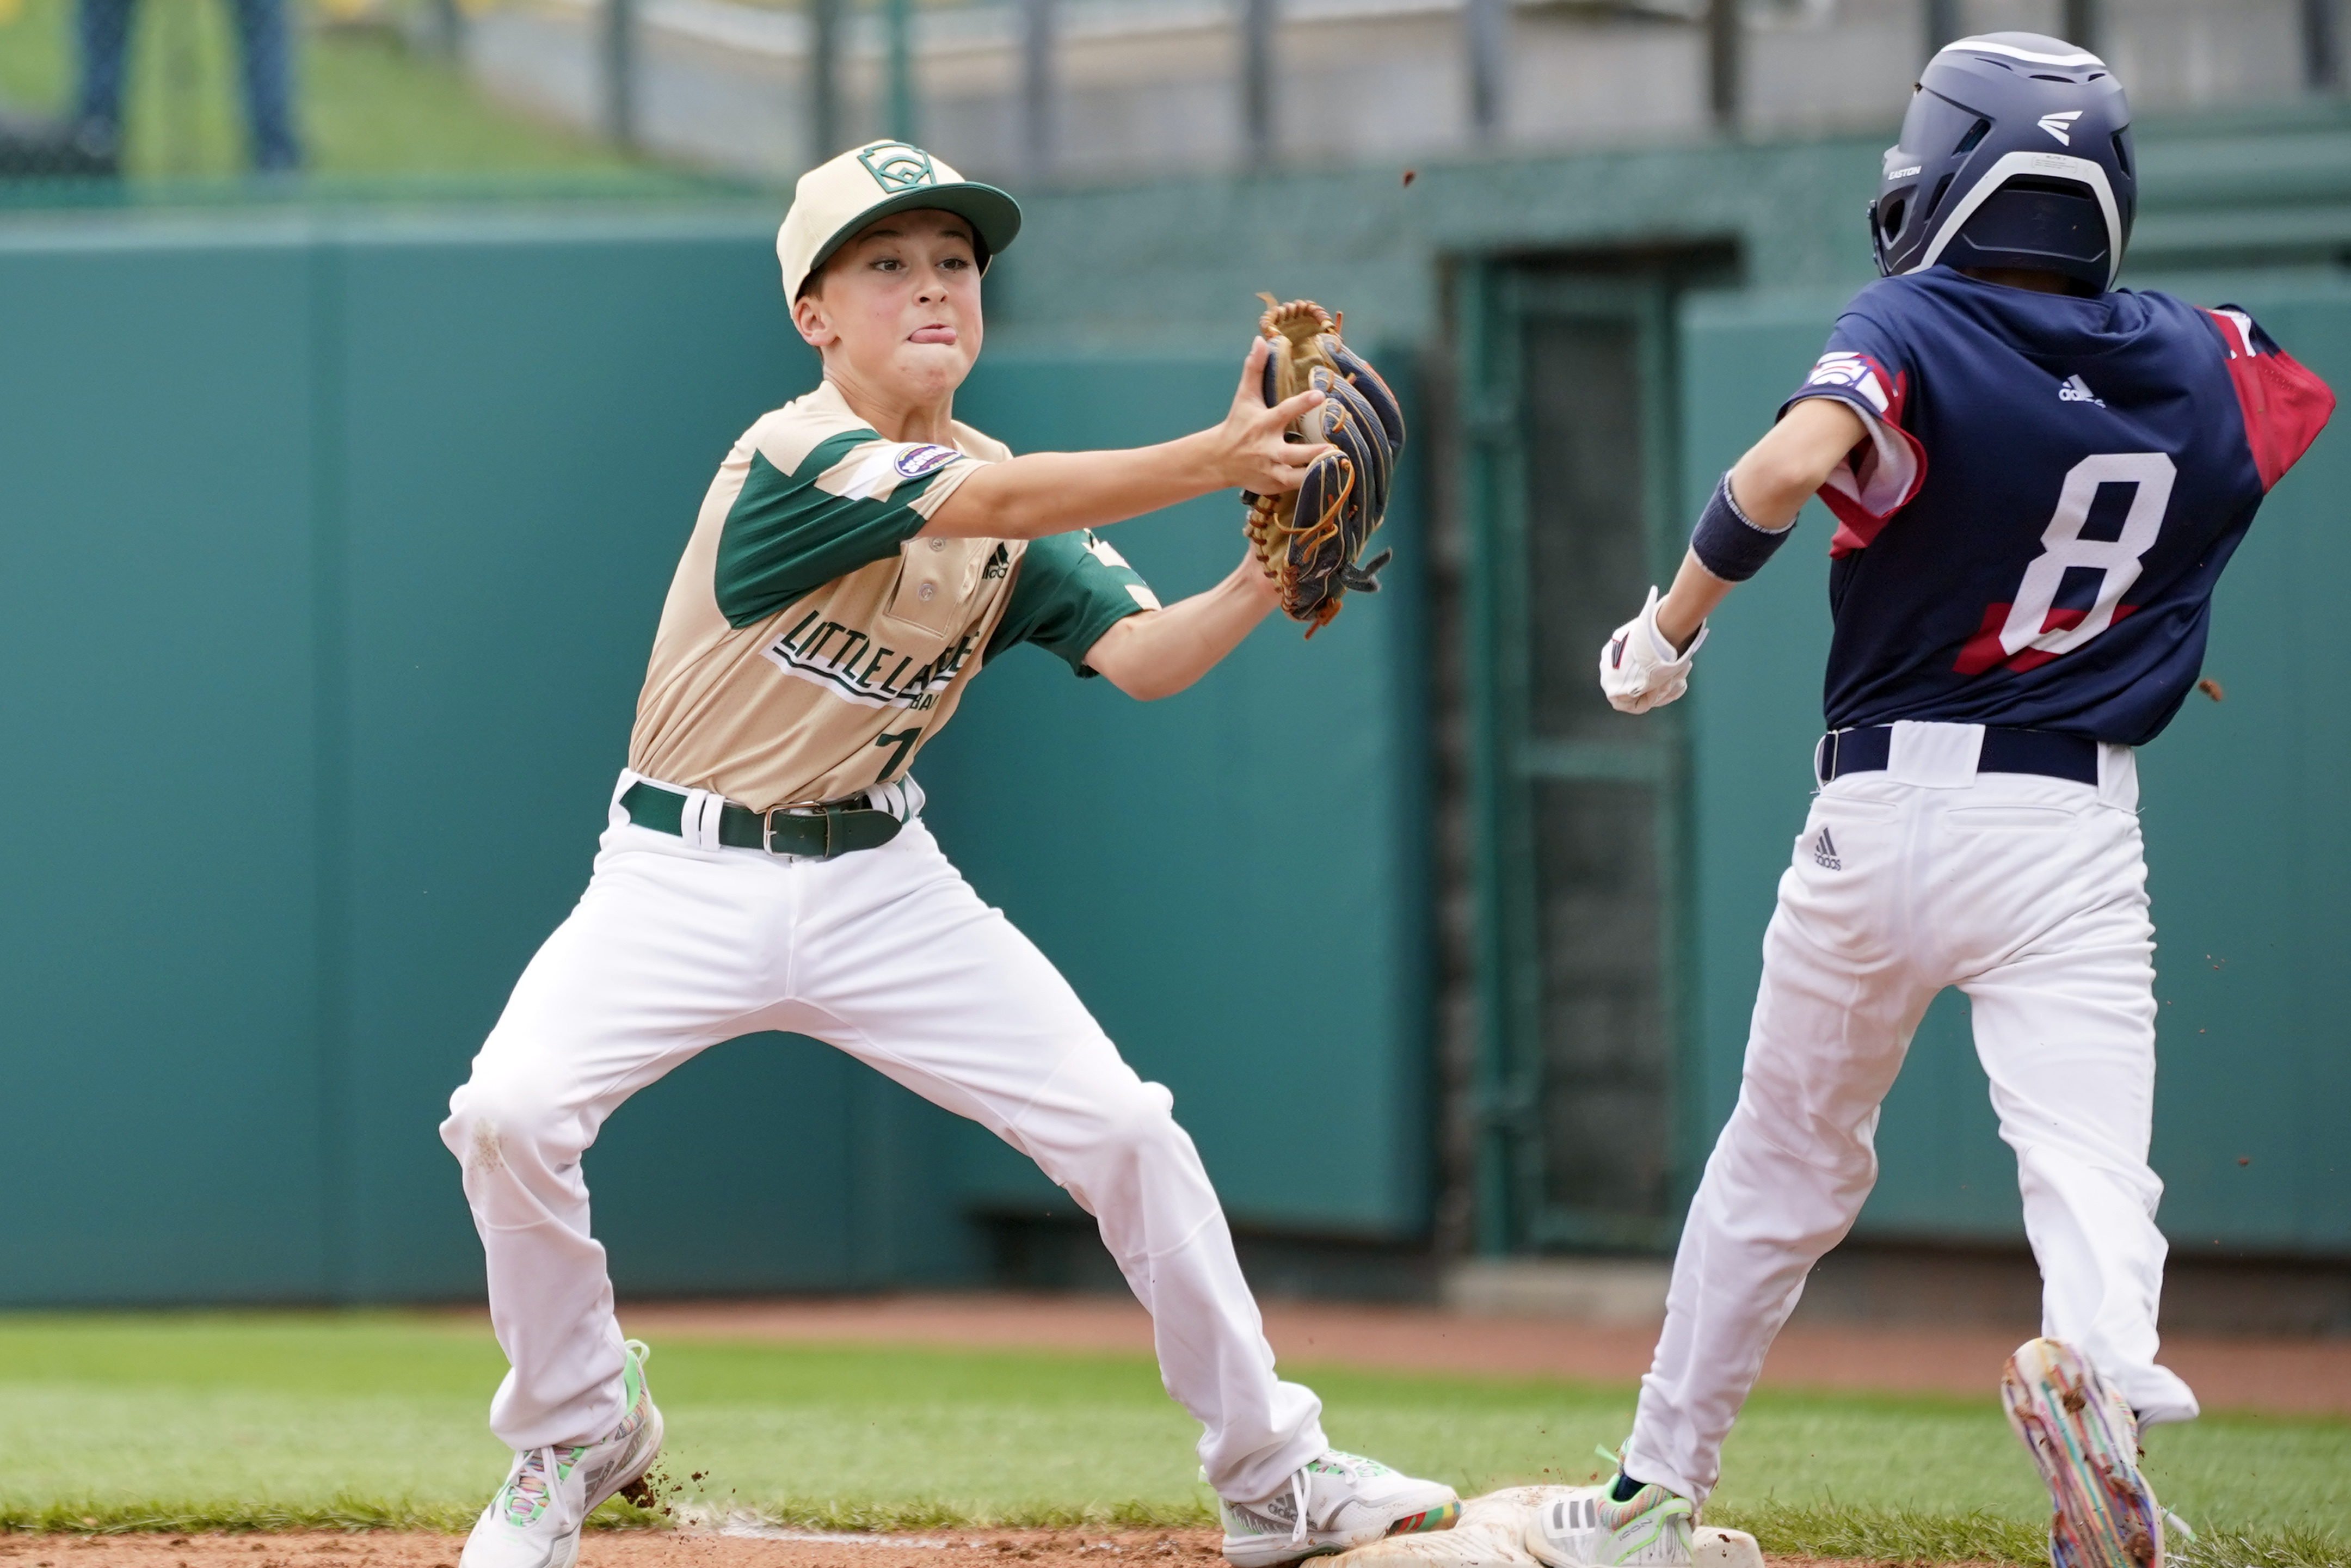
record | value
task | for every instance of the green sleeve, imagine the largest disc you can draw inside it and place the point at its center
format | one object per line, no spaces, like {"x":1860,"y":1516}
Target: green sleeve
{"x":1065,"y":596}
{"x":784,"y":538}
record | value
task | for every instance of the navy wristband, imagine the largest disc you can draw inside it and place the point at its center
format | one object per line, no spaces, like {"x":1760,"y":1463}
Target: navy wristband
{"x":1727,"y":544}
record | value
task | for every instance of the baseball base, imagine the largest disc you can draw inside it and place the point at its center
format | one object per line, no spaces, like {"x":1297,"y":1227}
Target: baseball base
{"x":1492,"y":1534}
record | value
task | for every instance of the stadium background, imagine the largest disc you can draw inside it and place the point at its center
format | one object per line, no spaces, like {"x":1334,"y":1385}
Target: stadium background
{"x":336,"y":516}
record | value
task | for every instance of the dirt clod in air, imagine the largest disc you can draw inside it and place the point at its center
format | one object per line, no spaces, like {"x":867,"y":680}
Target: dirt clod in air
{"x":654,"y":1492}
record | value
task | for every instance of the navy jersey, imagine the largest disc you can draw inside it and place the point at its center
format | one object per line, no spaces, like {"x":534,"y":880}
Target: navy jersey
{"x":2051,"y":487}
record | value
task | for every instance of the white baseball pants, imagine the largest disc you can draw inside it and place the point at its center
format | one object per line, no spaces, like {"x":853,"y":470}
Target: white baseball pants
{"x":2028,"y":894}
{"x":888,"y":954}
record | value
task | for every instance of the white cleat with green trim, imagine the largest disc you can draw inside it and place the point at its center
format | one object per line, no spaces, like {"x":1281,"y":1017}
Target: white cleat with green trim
{"x":533,"y":1521}
{"x":1336,"y":1503}
{"x":1586,"y":1527}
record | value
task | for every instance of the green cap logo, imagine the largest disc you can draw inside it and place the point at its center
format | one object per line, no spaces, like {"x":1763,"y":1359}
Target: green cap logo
{"x":896,"y":166}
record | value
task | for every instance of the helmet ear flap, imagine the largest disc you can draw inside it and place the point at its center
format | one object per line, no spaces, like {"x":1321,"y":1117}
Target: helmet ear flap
{"x":1876,"y":242}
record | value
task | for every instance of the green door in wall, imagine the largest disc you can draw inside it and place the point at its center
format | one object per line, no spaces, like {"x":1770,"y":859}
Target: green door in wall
{"x":1579,"y":810}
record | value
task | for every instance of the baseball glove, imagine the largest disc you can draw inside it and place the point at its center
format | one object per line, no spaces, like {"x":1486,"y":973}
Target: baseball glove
{"x":1308,"y":540}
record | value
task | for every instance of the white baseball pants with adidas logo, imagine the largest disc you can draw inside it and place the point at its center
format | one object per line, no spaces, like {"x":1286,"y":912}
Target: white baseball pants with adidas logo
{"x":2028,"y":894}
{"x":888,"y":954}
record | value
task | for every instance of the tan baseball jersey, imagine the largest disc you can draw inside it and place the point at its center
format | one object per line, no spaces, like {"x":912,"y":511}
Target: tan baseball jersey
{"x":811,"y":643}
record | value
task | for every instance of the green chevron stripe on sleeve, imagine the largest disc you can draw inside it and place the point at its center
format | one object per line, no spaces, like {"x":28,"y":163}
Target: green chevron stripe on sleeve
{"x":784,"y":538}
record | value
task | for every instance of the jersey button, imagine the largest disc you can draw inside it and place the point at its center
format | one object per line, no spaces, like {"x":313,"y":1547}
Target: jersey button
{"x":927,"y":591}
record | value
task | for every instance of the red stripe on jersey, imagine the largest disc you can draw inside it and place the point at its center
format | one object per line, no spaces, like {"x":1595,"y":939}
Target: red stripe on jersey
{"x":1881,"y":474}
{"x":2286,"y":406}
{"x":1983,"y":651}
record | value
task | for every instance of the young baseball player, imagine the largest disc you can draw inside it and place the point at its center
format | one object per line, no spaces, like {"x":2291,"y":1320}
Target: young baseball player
{"x":857,"y":558}
{"x":2037,"y":477}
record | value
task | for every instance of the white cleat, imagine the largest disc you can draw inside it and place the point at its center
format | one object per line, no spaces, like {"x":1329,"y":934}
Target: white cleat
{"x":1336,"y":1503}
{"x":1586,"y":1527}
{"x":534,"y":1520}
{"x":2085,"y":1441}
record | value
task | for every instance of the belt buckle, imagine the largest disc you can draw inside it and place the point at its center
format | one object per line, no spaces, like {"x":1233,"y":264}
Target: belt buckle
{"x":768,"y":830}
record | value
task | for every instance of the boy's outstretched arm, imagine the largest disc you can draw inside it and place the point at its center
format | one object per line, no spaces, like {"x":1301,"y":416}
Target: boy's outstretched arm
{"x":1645,"y":663}
{"x":1770,"y":484}
{"x":1061,"y":492}
{"x":1157,"y":653}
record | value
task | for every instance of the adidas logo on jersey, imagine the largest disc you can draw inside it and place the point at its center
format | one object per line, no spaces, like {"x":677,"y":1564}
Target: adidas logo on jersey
{"x":2073,"y":389}
{"x":2058,"y":124}
{"x":1824,"y":850}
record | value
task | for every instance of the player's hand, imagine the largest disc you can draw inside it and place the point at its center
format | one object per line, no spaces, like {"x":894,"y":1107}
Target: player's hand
{"x":1251,"y":450}
{"x":1639,"y":667}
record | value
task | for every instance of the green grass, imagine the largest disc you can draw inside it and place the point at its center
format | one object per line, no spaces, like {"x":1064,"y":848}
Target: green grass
{"x":269,"y":1420}
{"x":369,"y":106}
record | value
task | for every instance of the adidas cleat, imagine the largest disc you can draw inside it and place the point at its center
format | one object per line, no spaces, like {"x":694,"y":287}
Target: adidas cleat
{"x":1588,"y":1527}
{"x":534,"y":1520}
{"x":2084,"y":1441}
{"x":1336,"y":1503}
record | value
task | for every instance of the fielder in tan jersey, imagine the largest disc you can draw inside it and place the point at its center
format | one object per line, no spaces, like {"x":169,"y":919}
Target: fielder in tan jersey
{"x":811,"y":645}
{"x":858,"y":560}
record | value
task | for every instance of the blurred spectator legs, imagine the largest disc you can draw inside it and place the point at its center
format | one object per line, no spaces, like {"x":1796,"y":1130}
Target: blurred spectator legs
{"x":264,"y":42}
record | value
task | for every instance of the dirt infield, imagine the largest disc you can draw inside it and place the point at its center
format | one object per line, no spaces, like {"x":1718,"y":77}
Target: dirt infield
{"x":645,"y":1549}
{"x":2309,"y":1376}
{"x":621,"y":1549}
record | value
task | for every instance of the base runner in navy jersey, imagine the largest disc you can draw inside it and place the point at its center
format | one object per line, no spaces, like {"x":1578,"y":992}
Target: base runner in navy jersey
{"x":2037,"y":479}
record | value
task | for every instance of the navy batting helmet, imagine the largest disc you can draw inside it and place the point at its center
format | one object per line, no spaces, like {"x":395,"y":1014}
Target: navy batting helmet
{"x":2016,"y":151}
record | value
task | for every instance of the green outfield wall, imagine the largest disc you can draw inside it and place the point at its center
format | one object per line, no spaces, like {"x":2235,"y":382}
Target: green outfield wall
{"x":334,"y":540}
{"x":333,"y":552}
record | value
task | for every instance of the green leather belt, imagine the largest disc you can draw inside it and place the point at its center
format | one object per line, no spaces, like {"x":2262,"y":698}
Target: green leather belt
{"x":819,"y":832}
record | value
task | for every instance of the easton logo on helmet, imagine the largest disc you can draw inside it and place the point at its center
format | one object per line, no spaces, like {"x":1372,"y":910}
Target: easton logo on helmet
{"x":2058,"y":124}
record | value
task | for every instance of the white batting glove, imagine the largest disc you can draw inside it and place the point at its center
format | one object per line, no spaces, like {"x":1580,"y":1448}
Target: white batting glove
{"x":1639,"y":667}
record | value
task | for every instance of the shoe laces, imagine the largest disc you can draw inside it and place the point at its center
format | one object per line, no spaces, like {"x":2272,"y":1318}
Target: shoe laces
{"x":1350,"y":1467}
{"x":533,"y":1486}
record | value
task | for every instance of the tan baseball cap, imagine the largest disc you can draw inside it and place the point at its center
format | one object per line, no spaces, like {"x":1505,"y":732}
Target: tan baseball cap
{"x":835,"y":200}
